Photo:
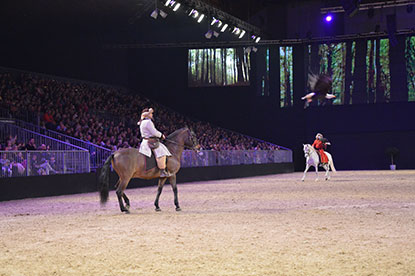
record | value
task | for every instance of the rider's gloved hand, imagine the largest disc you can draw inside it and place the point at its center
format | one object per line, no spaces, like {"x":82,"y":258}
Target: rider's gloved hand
{"x":163,"y":137}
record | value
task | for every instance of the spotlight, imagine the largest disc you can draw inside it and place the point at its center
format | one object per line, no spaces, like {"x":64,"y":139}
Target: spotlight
{"x":168,"y":2}
{"x":216,"y":21}
{"x":156,"y":12}
{"x":328,"y":18}
{"x":163,"y":14}
{"x":201,"y":18}
{"x":194,"y":13}
{"x":176,"y":6}
{"x":236,"y":30}
{"x":224,"y":28}
{"x":209,"y":34}
{"x":256,"y":38}
{"x":242,"y":34}
{"x":248,"y":50}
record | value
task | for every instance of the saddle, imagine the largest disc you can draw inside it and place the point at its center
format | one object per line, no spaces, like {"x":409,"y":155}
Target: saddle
{"x":319,"y":159}
{"x":151,"y":162}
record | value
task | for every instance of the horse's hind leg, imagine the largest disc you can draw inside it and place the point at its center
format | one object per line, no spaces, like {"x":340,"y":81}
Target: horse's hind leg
{"x":159,"y":190}
{"x":327,"y":171}
{"x":173,"y":183}
{"x":120,"y":194}
{"x":126,"y":200}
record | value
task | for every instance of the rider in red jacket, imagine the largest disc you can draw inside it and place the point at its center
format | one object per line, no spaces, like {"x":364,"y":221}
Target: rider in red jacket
{"x":320,"y":144}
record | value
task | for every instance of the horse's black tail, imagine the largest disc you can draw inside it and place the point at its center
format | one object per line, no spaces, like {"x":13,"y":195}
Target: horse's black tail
{"x":104,"y":180}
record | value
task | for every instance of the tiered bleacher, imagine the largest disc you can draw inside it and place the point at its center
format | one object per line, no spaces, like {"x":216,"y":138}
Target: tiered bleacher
{"x":102,"y":118}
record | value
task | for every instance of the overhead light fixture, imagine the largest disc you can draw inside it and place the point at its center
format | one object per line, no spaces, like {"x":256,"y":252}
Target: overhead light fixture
{"x":176,"y":6}
{"x":216,"y":21}
{"x":249,"y":49}
{"x":168,"y":2}
{"x":201,"y":18}
{"x":224,"y":28}
{"x":156,"y":12}
{"x":236,"y":30}
{"x":242,"y":34}
{"x":194,"y":13}
{"x":256,"y":38}
{"x":211,"y":33}
{"x":163,"y":14}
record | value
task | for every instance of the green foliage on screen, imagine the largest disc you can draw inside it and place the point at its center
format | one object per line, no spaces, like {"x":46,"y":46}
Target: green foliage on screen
{"x":286,"y":76}
{"x":410,"y":66}
{"x":218,"y":67}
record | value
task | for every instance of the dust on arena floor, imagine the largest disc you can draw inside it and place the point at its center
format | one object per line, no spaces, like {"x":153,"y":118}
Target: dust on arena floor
{"x":358,"y":223}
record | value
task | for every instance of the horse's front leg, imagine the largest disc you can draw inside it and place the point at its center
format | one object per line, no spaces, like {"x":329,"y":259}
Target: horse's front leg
{"x":173,"y":183}
{"x":307,"y":166}
{"x":159,"y":190}
{"x":316,"y":166}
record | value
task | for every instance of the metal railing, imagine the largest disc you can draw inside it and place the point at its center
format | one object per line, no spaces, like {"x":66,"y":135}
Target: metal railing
{"x":8,"y":128}
{"x":206,"y":158}
{"x":31,"y":163}
{"x":98,"y":154}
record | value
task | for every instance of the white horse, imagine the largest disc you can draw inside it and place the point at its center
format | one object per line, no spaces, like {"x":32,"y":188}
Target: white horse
{"x":312,"y":159}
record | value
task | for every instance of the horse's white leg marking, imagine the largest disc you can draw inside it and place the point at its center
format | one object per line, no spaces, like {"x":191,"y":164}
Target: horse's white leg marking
{"x":327,"y":167}
{"x":316,"y":166}
{"x":307,"y":166}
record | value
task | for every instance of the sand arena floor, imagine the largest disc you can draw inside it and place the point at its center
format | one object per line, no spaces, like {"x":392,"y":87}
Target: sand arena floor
{"x":359,"y":223}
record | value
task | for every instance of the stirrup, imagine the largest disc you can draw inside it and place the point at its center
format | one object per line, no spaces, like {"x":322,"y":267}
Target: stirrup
{"x":164,"y":173}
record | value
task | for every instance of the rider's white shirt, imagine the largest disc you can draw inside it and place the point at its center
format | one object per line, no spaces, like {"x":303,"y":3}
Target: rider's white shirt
{"x":148,"y":130}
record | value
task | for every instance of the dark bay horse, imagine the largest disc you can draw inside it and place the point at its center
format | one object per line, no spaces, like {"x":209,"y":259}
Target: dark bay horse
{"x":130,"y":163}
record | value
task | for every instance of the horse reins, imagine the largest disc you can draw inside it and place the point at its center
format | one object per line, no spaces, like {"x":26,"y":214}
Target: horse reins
{"x":184,"y":146}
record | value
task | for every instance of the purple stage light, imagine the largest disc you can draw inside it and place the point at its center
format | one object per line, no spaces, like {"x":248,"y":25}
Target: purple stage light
{"x":328,"y":18}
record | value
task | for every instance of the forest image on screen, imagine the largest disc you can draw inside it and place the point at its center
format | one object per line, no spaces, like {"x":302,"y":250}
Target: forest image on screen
{"x":218,"y":67}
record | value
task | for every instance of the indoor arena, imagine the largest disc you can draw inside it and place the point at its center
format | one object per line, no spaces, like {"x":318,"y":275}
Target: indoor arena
{"x":207,"y":137}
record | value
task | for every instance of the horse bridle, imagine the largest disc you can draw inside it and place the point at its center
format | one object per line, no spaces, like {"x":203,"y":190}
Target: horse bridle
{"x":307,"y":153}
{"x":184,"y":146}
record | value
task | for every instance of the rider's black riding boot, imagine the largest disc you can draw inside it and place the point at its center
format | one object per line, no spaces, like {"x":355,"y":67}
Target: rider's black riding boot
{"x":164,"y":173}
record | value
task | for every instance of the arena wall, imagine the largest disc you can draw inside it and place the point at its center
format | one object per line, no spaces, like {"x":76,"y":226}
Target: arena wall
{"x":54,"y":185}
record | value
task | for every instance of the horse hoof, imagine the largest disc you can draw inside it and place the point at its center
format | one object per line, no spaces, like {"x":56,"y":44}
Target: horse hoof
{"x":178,"y":209}
{"x":126,"y":211}
{"x":157,"y":209}
{"x":127,"y":207}
{"x":302,"y":180}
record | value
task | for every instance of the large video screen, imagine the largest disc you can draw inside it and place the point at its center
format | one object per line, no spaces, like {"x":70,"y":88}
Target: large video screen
{"x":286,"y":76}
{"x":218,"y":67}
{"x":410,"y":66}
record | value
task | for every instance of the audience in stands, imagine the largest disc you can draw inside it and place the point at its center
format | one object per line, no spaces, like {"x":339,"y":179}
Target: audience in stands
{"x":104,"y":115}
{"x":13,"y":163}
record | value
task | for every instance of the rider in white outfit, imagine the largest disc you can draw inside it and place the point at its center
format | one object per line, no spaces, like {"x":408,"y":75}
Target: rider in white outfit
{"x":151,"y":134}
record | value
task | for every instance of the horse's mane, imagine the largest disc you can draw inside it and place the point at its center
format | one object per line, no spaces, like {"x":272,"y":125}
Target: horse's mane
{"x":175,"y":133}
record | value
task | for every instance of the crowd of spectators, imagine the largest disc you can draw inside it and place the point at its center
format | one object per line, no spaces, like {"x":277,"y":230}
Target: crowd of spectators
{"x":14,"y":162}
{"x":105,"y":115}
